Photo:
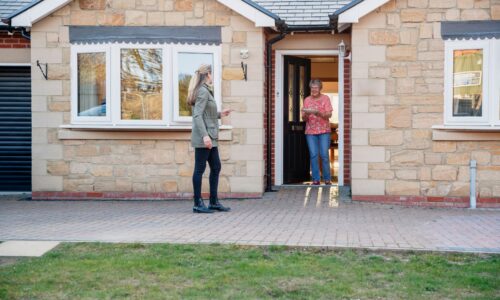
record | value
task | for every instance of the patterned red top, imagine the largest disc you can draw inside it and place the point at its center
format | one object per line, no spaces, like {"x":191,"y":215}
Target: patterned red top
{"x":316,"y":124}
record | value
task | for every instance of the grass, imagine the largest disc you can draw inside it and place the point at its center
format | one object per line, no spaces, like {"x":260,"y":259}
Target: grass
{"x":165,"y":271}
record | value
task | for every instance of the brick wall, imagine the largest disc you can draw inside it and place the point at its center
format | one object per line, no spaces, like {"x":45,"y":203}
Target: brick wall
{"x":15,"y":40}
{"x":347,"y":122}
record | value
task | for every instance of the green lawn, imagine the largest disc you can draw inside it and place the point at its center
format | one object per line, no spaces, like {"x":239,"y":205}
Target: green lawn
{"x":160,"y":271}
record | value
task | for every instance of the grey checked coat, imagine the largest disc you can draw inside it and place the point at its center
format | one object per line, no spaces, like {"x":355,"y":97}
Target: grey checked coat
{"x":205,"y":118}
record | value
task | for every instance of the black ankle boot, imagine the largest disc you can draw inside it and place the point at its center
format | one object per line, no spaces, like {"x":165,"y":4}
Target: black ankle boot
{"x":199,"y":207}
{"x":215,"y":205}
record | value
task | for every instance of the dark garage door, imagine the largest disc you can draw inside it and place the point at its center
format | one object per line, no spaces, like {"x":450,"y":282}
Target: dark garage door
{"x":15,"y":129}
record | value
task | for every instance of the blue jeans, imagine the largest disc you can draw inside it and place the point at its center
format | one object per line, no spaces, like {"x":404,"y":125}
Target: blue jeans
{"x":201,"y":156}
{"x":319,"y":144}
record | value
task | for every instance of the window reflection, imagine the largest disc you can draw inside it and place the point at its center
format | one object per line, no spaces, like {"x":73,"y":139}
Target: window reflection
{"x":141,"y":84}
{"x":468,"y":83}
{"x":291,"y":83}
{"x":91,"y":84}
{"x":302,"y":78}
{"x":188,"y":63}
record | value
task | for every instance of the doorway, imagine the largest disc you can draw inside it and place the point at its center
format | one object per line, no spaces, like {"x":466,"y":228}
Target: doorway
{"x":294,"y":70}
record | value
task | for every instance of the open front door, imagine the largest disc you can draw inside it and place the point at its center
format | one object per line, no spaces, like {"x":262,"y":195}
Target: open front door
{"x":297,"y":74}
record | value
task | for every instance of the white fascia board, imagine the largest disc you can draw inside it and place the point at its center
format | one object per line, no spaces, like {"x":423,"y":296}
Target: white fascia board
{"x":37,"y":12}
{"x":259,"y":18}
{"x":355,"y":13}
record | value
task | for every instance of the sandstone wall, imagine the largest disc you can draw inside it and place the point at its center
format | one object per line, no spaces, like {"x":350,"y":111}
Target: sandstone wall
{"x":398,"y":84}
{"x":85,"y":162}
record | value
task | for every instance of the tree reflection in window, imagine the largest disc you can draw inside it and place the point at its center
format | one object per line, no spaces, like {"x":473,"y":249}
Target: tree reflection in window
{"x":92,"y":84}
{"x":188,"y":63}
{"x":141,"y":84}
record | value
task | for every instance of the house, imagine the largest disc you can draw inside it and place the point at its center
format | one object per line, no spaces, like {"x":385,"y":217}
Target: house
{"x":414,"y":84}
{"x":15,"y":103}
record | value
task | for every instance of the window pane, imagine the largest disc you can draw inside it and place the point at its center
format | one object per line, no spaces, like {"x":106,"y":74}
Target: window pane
{"x":141,"y":84}
{"x":468,"y":83}
{"x":91,"y":84}
{"x":302,"y":92}
{"x":188,"y":64}
{"x":291,"y":83}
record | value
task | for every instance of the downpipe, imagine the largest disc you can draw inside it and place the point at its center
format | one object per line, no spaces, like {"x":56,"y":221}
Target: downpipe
{"x":269,"y":68}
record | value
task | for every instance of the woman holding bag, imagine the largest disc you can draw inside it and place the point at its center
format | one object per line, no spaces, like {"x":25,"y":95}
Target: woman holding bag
{"x":204,"y":138}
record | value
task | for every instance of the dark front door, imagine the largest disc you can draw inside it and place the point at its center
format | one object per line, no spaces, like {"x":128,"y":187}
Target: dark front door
{"x":296,"y":87}
{"x":15,"y":129}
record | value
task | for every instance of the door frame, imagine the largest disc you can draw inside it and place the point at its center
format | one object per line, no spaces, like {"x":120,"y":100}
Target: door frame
{"x":278,"y":108}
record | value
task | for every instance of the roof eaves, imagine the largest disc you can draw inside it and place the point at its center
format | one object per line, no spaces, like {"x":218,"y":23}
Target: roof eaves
{"x":334,"y":18}
{"x":20,"y":11}
{"x":345,"y":8}
{"x":262,"y":9}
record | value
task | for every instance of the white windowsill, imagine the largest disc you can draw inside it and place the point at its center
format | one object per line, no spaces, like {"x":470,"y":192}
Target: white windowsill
{"x":134,"y":127}
{"x":478,"y":128}
{"x":465,"y":133}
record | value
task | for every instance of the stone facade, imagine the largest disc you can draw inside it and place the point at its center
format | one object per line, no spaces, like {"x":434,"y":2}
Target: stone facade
{"x":14,"y":48}
{"x":398,"y":84}
{"x":87,"y":162}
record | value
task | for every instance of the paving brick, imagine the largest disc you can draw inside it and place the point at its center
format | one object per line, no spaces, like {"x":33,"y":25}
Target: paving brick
{"x":303,"y":216}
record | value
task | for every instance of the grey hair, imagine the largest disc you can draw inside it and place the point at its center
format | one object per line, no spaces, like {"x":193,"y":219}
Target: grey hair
{"x":316,"y":82}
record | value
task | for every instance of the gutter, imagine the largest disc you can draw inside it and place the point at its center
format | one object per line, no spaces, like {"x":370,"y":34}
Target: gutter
{"x":11,"y":30}
{"x":308,"y":28}
{"x":8,"y":20}
{"x":334,"y":18}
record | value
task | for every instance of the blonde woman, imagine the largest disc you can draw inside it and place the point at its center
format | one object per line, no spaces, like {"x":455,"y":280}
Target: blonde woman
{"x":204,"y":138}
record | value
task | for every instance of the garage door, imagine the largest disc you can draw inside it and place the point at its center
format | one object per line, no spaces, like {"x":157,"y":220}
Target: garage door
{"x":15,"y":129}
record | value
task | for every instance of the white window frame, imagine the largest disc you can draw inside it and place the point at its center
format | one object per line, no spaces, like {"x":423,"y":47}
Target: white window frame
{"x":451,"y":46}
{"x":78,"y":49}
{"x":495,"y":82}
{"x":216,"y":75}
{"x":116,"y":84}
{"x":170,"y":113}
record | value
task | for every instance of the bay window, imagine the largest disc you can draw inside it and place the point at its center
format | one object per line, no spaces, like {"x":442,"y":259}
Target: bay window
{"x":140,"y":85}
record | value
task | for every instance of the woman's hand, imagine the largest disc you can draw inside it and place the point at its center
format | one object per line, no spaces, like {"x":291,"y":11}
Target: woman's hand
{"x":207,"y":141}
{"x":309,"y":111}
{"x":325,"y":115}
{"x":226,"y":112}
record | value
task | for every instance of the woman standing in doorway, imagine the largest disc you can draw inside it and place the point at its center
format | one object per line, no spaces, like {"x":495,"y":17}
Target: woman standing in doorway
{"x":316,"y":112}
{"x":204,"y":138}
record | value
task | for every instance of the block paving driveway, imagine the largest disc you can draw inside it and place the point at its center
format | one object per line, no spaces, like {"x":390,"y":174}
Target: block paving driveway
{"x":293,"y":216}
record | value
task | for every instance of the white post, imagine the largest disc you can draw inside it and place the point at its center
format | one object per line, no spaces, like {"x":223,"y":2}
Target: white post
{"x":341,"y":113}
{"x":473,"y":167}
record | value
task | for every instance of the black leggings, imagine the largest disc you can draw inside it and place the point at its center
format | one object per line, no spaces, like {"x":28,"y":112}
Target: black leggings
{"x":201,"y":156}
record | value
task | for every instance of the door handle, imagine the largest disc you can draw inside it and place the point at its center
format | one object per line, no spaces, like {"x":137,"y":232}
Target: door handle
{"x":297,"y":127}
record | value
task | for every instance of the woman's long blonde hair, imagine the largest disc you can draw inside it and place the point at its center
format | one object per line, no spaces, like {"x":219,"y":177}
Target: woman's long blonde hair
{"x":196,"y":81}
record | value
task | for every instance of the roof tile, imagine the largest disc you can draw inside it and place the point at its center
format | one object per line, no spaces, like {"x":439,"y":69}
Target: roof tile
{"x":303,"y":12}
{"x":7,"y":7}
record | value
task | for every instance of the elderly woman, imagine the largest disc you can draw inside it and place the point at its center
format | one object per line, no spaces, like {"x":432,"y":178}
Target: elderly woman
{"x":316,"y":112}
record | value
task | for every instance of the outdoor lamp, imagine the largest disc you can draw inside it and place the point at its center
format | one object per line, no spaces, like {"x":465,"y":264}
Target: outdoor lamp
{"x":244,"y":55}
{"x":341,"y":49}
